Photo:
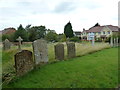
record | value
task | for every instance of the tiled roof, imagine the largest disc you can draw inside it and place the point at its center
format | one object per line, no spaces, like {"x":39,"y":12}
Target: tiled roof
{"x":96,"y":29}
{"x":8,"y":31}
{"x":99,"y":28}
{"x":113,"y":28}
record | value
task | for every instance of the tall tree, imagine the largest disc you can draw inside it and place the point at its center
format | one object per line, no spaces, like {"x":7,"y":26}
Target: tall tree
{"x":22,"y":33}
{"x":51,"y":36}
{"x":68,"y":31}
{"x":36,"y":32}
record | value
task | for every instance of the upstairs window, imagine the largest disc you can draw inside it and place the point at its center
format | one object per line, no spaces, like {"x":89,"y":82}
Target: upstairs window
{"x":108,"y":32}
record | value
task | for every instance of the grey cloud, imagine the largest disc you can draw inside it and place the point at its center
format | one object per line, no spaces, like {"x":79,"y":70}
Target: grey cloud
{"x":65,"y":7}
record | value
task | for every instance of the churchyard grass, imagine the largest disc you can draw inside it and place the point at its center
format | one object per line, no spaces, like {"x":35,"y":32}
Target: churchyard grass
{"x":81,"y":49}
{"x":97,"y":70}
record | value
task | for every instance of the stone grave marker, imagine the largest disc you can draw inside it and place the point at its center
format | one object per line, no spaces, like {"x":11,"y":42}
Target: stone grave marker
{"x":59,"y":51}
{"x":71,"y":52}
{"x":6,"y":44}
{"x":19,"y":45}
{"x":40,"y":51}
{"x":23,"y":62}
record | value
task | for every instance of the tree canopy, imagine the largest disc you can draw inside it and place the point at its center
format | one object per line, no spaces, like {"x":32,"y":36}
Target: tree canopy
{"x":68,"y":31}
{"x":22,"y":33}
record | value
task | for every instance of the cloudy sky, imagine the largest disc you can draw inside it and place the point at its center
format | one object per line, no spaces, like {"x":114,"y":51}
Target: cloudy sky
{"x":54,"y":14}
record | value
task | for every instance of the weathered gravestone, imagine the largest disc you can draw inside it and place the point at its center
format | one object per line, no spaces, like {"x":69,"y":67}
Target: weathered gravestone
{"x":6,"y":44}
{"x":23,"y":62}
{"x":71,"y":50}
{"x":40,"y":51}
{"x":59,"y":51}
{"x":19,"y":45}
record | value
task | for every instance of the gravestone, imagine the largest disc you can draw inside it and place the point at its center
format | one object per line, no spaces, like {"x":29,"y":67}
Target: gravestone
{"x":6,"y":44}
{"x":40,"y":51}
{"x":59,"y":51}
{"x":71,"y":52}
{"x":19,"y":45}
{"x":23,"y":62}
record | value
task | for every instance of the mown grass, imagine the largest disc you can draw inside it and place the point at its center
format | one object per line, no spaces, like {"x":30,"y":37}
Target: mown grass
{"x":97,"y":70}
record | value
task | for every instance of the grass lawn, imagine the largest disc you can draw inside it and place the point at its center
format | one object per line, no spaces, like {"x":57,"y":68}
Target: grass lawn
{"x":81,"y":49}
{"x":97,"y":70}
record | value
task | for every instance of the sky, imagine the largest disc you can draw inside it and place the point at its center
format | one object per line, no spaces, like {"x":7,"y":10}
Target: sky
{"x":55,"y":14}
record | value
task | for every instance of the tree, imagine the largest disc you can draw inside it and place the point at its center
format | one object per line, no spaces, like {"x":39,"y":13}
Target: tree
{"x":22,"y":33}
{"x":68,"y":31}
{"x":36,"y":32}
{"x":51,"y":36}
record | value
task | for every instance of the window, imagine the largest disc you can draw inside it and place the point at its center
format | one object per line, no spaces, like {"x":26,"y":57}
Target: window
{"x":108,"y":32}
{"x":103,"y":32}
{"x":99,"y":32}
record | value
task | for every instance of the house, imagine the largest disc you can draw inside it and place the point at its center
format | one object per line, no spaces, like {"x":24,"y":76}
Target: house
{"x":77,"y":33}
{"x":102,"y":32}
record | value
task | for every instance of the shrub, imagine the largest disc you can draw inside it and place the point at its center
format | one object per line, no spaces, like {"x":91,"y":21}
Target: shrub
{"x":74,"y":39}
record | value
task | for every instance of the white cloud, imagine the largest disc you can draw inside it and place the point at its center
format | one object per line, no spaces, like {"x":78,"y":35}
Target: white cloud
{"x":54,"y":14}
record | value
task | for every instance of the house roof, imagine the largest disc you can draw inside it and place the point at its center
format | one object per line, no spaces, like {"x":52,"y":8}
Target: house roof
{"x":99,"y":28}
{"x":8,"y":30}
{"x":113,"y":28}
{"x":95,"y":29}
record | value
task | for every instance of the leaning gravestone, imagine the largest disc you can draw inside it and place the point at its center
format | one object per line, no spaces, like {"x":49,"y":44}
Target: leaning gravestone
{"x":40,"y":51}
{"x":71,"y":50}
{"x":23,"y":62}
{"x":6,"y":44}
{"x":59,"y":51}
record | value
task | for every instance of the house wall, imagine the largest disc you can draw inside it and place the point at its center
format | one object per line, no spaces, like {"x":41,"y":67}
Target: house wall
{"x":106,"y":30}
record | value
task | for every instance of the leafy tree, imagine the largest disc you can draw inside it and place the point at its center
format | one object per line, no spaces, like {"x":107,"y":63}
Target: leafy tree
{"x":68,"y":31}
{"x":51,"y":36}
{"x":8,"y":36}
{"x":27,"y":28}
{"x":62,"y":38}
{"x":36,"y":32}
{"x":74,"y":39}
{"x":32,"y":34}
{"x":22,"y":33}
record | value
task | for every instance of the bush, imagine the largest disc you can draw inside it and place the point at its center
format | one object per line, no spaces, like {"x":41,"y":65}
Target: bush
{"x":62,"y":38}
{"x":74,"y":39}
{"x":98,"y":40}
{"x":6,"y":36}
